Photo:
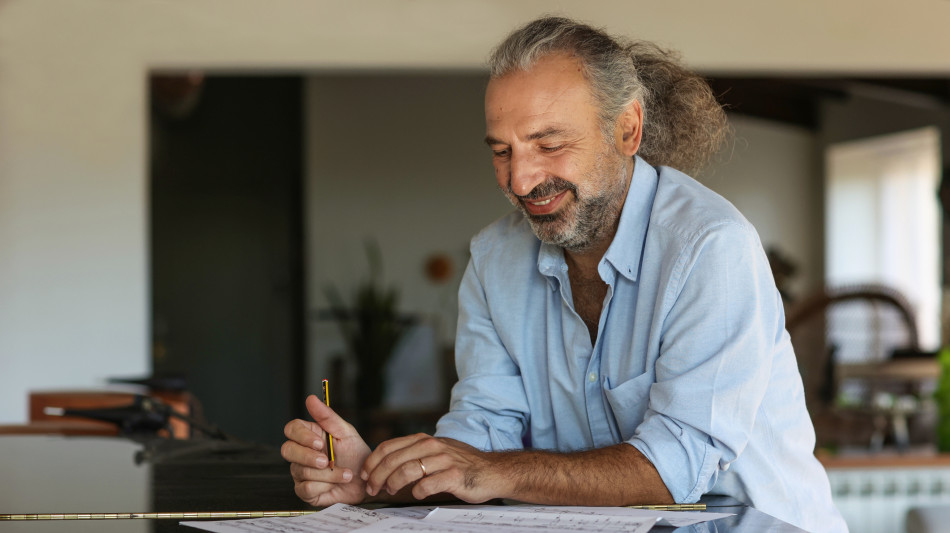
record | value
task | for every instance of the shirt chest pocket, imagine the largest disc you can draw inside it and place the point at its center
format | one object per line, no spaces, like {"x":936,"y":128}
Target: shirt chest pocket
{"x":628,"y":402}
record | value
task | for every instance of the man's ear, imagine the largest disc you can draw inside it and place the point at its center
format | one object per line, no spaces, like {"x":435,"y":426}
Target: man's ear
{"x":629,"y":130}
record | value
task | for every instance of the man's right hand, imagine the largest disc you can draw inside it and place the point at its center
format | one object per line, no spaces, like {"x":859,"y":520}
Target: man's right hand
{"x":314,"y":481}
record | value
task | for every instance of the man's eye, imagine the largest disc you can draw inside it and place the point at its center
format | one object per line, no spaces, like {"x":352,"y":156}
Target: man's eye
{"x":500,"y":153}
{"x":552,"y":148}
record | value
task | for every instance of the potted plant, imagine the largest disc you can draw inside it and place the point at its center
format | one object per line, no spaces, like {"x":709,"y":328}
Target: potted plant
{"x":371,"y":327}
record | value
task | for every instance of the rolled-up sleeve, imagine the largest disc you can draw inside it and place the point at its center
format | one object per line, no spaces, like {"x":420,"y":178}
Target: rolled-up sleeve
{"x":714,"y":362}
{"x":489,"y":408}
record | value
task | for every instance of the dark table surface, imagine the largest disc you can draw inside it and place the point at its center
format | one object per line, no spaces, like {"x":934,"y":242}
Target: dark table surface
{"x":47,"y":474}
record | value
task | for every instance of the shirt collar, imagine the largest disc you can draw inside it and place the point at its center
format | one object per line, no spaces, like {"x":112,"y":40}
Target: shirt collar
{"x":626,"y":250}
{"x":551,"y":263}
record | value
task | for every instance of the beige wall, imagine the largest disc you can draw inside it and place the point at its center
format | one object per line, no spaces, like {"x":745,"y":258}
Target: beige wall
{"x":772,"y":173}
{"x":399,"y":160}
{"x":73,"y":205}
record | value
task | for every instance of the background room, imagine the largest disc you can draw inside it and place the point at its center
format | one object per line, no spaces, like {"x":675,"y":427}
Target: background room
{"x":140,"y":236}
{"x":393,"y":171}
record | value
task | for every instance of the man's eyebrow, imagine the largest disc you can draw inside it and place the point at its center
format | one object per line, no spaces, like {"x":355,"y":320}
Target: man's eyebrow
{"x":534,"y":136}
{"x":545,"y":133}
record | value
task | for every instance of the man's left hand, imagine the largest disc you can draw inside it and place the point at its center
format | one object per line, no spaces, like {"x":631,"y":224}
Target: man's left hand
{"x":435,"y":465}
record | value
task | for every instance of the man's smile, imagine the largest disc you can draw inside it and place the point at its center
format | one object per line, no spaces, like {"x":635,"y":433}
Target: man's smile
{"x":544,"y":206}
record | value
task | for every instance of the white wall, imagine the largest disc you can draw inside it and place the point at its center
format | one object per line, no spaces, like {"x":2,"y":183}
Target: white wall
{"x":873,"y":115}
{"x":73,"y":206}
{"x":772,"y":173}
{"x":399,"y":159}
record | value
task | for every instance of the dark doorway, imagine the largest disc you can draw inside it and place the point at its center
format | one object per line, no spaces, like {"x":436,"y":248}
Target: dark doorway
{"x":226,"y":245}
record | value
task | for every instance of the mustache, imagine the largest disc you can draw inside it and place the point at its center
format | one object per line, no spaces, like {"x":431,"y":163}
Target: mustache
{"x":548,"y":187}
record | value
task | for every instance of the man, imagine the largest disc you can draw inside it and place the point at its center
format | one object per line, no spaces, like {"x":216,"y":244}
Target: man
{"x":620,"y":340}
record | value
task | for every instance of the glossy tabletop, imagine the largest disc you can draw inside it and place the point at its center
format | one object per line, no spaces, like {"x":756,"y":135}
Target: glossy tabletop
{"x":47,"y":474}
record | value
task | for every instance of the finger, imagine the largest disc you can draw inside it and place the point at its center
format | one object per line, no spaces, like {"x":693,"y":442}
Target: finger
{"x":327,"y":419}
{"x":312,"y":491}
{"x":391,"y":457}
{"x":301,"y":473}
{"x":385,"y":449}
{"x":305,"y":433}
{"x":294,"y":452}
{"x":449,"y":481}
{"x":405,"y":474}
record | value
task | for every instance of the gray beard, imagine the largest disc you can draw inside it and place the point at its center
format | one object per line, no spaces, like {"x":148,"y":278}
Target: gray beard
{"x":587,"y":221}
{"x":592,"y":217}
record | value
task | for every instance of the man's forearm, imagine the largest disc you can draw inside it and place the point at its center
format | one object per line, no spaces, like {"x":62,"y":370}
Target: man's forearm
{"x":428,"y":466}
{"x":616,"y":475}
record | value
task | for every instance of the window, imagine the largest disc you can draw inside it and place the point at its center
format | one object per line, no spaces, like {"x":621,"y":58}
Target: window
{"x":883,"y":220}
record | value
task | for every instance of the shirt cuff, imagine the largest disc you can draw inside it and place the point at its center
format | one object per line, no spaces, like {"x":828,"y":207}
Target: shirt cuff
{"x":687,"y":462}
{"x":476,"y":430}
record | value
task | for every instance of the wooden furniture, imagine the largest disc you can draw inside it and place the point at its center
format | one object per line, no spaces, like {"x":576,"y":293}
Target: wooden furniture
{"x":865,"y":379}
{"x":43,"y":423}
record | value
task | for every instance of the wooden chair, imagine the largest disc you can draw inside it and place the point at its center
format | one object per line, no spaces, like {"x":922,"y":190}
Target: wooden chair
{"x":846,"y":339}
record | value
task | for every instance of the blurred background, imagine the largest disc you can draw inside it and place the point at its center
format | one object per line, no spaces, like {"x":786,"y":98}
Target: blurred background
{"x":237,"y":192}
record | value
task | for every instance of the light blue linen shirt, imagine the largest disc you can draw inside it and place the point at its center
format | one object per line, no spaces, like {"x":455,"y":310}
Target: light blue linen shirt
{"x":692,"y":364}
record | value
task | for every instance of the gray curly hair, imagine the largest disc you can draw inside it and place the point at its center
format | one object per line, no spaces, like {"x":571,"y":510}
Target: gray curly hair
{"x":683,"y":124}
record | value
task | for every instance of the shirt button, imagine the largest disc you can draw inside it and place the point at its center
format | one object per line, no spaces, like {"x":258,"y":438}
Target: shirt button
{"x":592,"y":377}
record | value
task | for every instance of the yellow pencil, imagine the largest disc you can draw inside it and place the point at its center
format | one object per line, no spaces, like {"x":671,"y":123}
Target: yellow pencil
{"x":326,"y":400}
{"x":672,"y":507}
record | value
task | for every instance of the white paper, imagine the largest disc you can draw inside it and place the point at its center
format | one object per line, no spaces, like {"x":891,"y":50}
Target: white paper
{"x":667,"y":518}
{"x":337,"y":518}
{"x":508,"y":520}
{"x":463,"y":519}
{"x":466,"y":526}
{"x":414,"y":525}
{"x":416,"y":511}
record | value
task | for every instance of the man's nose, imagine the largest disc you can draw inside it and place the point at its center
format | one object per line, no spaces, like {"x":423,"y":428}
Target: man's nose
{"x":526,"y":173}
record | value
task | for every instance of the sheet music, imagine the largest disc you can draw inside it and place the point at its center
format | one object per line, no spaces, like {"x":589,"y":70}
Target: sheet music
{"x":411,"y":525}
{"x":667,"y":518}
{"x":463,"y":519}
{"x":334,"y":519}
{"x":415,"y":511}
{"x":443,"y":520}
{"x":508,"y":519}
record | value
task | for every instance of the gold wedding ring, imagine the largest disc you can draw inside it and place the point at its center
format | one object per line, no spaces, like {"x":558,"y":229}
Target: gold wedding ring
{"x":424,"y":472}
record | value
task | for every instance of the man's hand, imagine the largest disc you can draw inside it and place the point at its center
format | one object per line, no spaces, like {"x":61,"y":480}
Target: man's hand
{"x":315,"y":482}
{"x":615,"y":475}
{"x":435,"y":465}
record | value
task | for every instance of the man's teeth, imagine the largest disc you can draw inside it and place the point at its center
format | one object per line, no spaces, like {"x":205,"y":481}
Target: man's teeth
{"x":546,"y":202}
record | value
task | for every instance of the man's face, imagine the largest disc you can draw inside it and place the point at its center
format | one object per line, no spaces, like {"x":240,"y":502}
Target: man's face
{"x":551,"y":156}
